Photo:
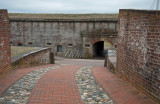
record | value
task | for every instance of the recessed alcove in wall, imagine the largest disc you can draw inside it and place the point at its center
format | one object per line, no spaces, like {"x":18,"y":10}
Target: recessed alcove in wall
{"x":70,"y":45}
{"x":30,"y":43}
{"x":87,"y":45}
{"x":59,"y":48}
{"x":48,"y":44}
{"x":20,"y":44}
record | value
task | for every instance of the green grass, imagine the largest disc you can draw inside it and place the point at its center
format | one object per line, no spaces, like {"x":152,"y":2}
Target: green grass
{"x":17,"y":50}
{"x":60,"y":16}
{"x":107,"y":45}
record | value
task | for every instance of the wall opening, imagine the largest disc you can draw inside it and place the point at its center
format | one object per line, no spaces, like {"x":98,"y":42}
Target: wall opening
{"x":30,"y":43}
{"x":98,"y":49}
{"x":49,"y":44}
{"x":87,"y":45}
{"x":59,"y":48}
{"x":70,"y":45}
{"x":20,"y":44}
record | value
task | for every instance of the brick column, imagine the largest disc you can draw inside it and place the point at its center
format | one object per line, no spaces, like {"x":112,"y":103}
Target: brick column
{"x":5,"y":52}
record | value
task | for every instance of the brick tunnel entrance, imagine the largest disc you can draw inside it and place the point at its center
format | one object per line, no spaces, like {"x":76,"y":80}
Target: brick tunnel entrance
{"x":98,"y":49}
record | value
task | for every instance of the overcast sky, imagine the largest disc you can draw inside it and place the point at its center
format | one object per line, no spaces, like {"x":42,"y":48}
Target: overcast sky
{"x":72,"y":6}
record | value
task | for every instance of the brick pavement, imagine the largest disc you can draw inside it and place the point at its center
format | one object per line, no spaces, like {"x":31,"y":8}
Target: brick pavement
{"x":57,"y":87}
{"x":82,"y":62}
{"x":119,"y":91}
{"x":7,"y":79}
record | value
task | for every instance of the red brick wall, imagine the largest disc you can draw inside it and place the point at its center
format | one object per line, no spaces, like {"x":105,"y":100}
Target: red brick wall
{"x":138,"y":51}
{"x":5,"y":58}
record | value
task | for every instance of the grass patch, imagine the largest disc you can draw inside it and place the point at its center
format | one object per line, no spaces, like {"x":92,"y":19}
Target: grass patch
{"x":107,"y":45}
{"x":60,"y":16}
{"x":17,"y":50}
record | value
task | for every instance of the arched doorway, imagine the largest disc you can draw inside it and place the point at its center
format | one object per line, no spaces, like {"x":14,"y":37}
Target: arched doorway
{"x":96,"y":47}
{"x":100,"y":49}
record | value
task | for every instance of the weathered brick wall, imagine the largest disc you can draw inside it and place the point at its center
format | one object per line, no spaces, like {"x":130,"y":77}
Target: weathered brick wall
{"x":38,"y":57}
{"x":5,"y":58}
{"x":138,"y":52}
{"x":56,"y":32}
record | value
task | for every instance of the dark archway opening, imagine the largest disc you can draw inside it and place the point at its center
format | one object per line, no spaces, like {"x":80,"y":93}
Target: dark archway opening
{"x":98,"y":49}
{"x":20,"y":44}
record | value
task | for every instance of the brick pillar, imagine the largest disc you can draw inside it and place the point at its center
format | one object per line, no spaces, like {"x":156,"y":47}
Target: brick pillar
{"x":5,"y":52}
{"x":52,"y":58}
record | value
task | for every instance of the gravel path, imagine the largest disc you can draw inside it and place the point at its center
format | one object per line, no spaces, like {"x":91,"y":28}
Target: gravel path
{"x":20,"y":91}
{"x":90,"y":91}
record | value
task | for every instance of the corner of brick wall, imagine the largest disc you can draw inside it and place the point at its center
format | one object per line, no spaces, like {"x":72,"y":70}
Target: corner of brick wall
{"x":138,"y":51}
{"x":5,"y":52}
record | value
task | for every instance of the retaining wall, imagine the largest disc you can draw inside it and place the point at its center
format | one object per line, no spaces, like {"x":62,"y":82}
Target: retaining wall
{"x":138,"y":51}
{"x":38,"y":57}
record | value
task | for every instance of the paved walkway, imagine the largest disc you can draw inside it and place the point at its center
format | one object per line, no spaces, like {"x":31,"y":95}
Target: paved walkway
{"x":82,"y":62}
{"x":119,"y":91}
{"x":68,"y":82}
{"x":57,"y":87}
{"x":6,"y":80}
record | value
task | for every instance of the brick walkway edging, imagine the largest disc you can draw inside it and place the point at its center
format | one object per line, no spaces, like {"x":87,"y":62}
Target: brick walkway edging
{"x":19,"y":92}
{"x":14,"y":76}
{"x":100,"y":84}
{"x":119,"y":91}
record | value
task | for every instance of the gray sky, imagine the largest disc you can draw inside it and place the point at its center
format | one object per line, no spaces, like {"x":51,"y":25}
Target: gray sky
{"x":72,"y":6}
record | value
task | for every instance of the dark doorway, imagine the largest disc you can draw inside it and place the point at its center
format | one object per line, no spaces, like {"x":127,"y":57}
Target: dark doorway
{"x":98,"y":49}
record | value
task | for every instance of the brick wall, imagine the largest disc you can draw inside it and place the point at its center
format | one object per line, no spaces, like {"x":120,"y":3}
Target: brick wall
{"x":38,"y":57}
{"x":5,"y":58}
{"x":138,"y":52}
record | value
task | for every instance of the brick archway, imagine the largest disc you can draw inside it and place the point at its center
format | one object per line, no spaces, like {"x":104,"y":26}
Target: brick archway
{"x":105,"y":40}
{"x":93,"y":40}
{"x":98,"y":49}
